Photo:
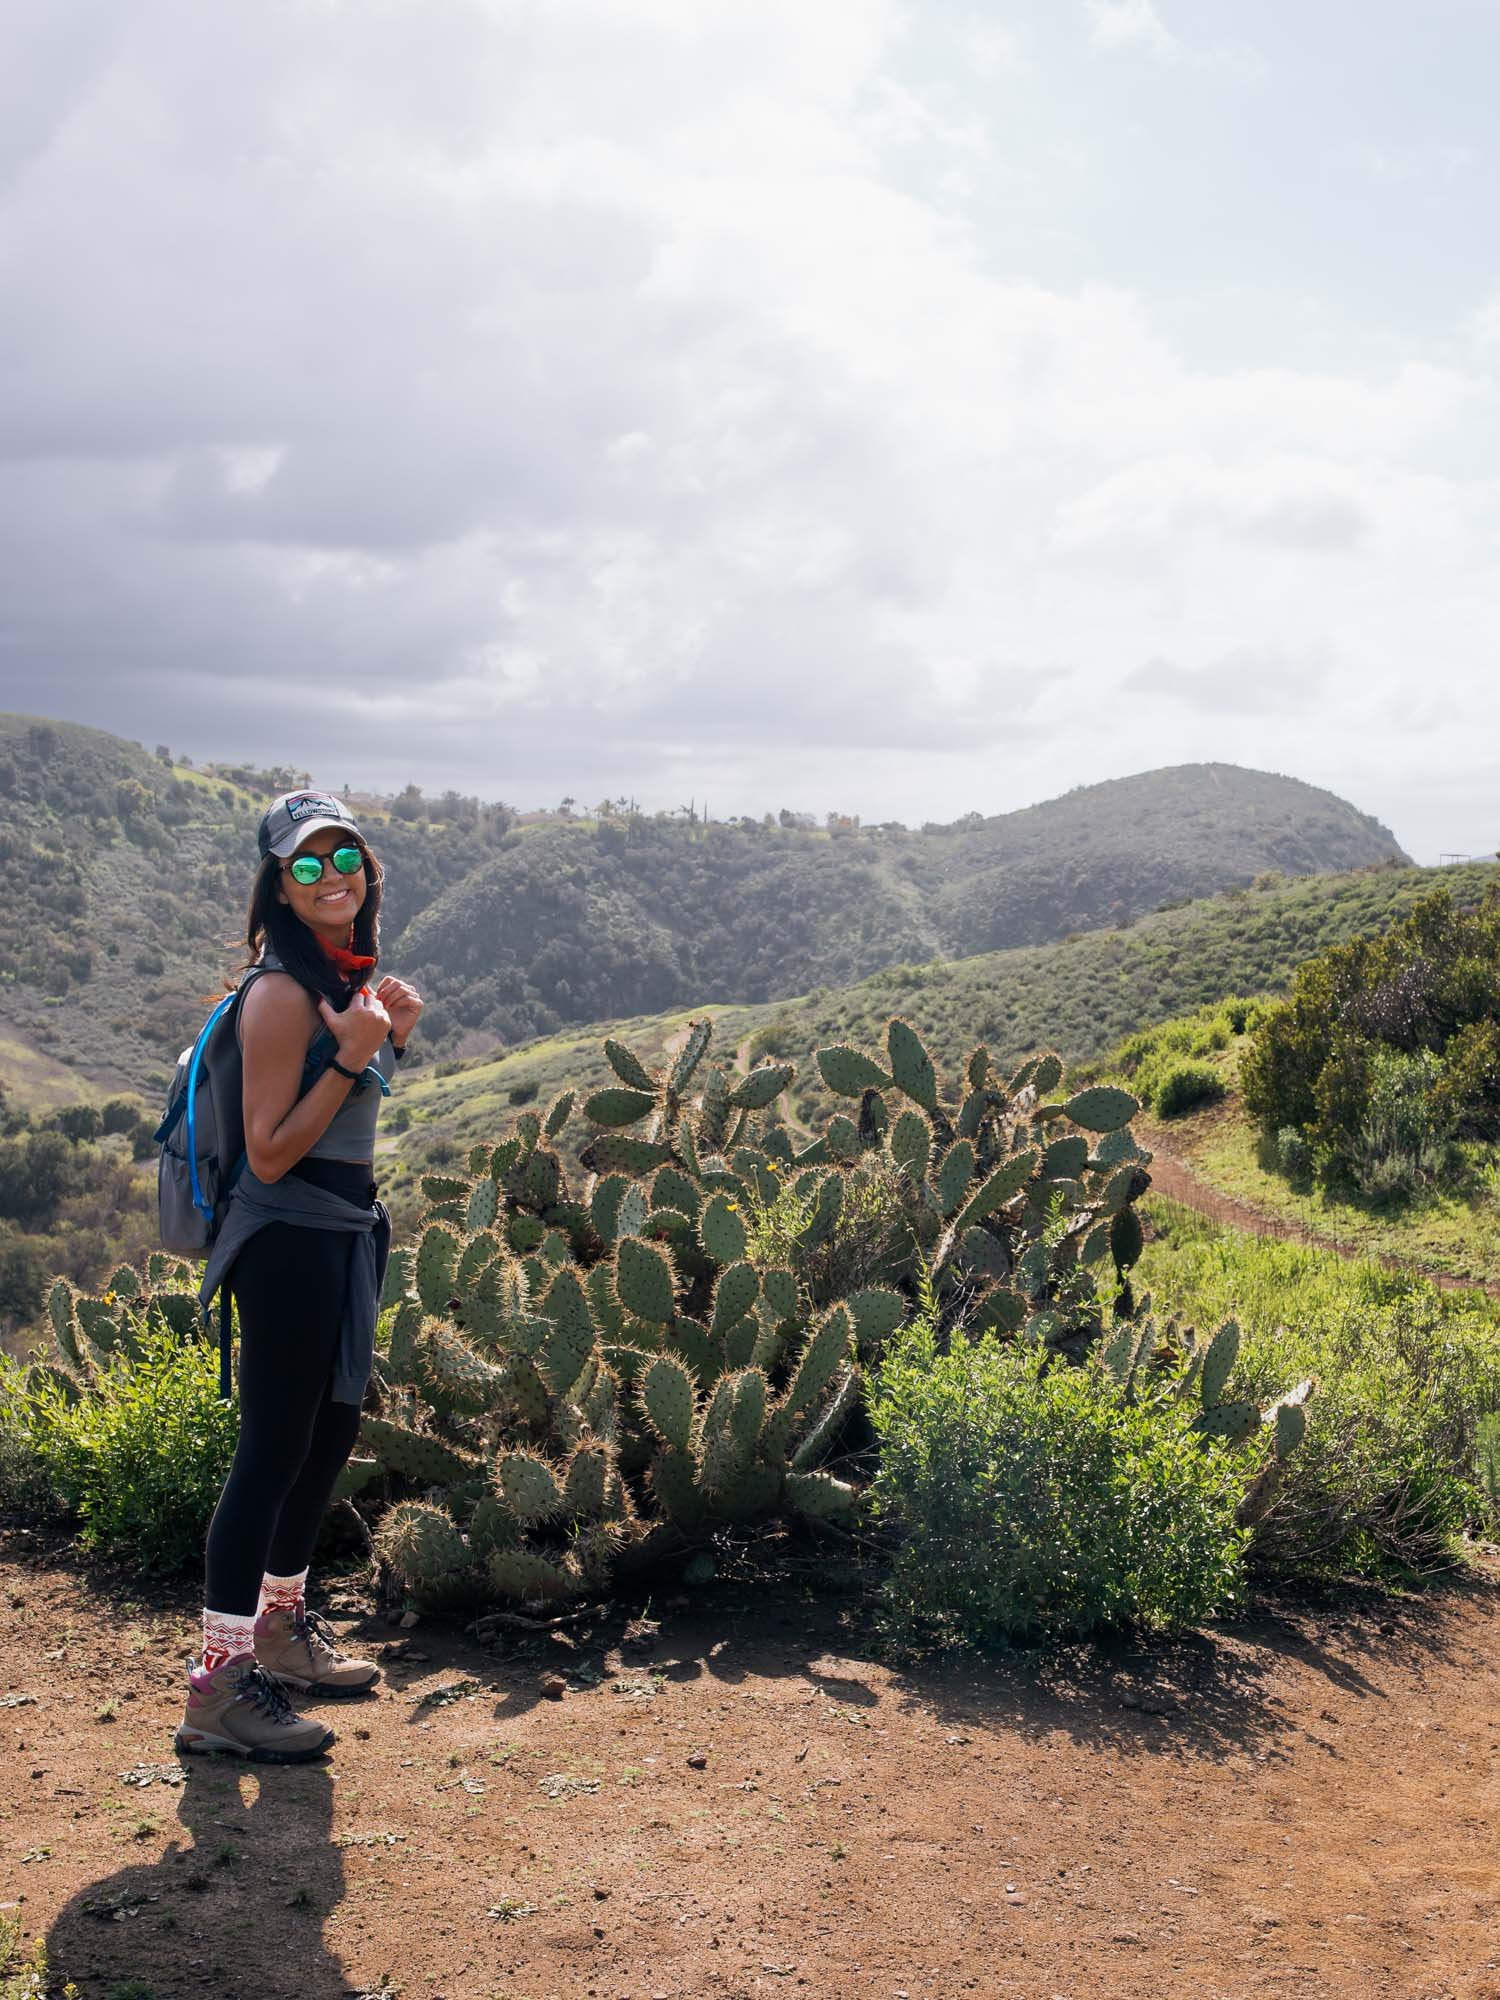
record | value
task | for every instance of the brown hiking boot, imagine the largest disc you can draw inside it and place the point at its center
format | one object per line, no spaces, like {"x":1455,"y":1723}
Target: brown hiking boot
{"x":239,"y":1708}
{"x":299,"y":1648}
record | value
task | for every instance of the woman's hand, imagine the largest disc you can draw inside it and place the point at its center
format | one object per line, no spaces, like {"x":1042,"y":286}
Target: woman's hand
{"x":359,"y":1030}
{"x":403,"y":1003}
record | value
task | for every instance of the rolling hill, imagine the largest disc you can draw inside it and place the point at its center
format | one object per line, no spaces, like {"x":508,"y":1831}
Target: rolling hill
{"x":125,"y":878}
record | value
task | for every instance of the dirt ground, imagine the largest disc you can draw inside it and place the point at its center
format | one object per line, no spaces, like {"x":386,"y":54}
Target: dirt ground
{"x":738,"y":1795}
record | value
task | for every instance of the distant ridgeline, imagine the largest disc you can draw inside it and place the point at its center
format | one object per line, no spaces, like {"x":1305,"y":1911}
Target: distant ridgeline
{"x":125,"y":877}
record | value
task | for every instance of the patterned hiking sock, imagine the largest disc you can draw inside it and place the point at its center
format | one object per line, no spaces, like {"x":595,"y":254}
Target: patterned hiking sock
{"x":226,"y":1633}
{"x":282,"y":1593}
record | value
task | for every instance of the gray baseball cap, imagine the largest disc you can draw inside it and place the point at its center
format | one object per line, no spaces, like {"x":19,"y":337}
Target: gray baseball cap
{"x":289,"y":820}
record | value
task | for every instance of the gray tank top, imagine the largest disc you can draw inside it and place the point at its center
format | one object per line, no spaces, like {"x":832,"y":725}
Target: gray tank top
{"x":351,"y":1130}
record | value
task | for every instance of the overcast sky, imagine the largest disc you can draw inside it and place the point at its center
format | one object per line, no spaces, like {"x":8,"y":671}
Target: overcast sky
{"x":823,"y":403}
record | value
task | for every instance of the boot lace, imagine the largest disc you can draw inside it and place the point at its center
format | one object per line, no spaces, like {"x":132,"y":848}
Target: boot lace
{"x":261,"y":1690}
{"x":315,"y":1632}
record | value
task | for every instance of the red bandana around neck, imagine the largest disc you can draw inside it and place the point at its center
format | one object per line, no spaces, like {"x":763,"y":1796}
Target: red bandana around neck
{"x":352,"y":964}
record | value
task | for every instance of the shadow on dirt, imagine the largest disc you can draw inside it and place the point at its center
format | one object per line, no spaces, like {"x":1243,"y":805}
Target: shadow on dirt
{"x":237,"y":1907}
{"x":1213,"y":1694}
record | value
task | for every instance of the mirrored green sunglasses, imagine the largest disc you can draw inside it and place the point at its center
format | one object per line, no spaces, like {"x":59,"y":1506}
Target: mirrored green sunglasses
{"x":308,"y":868}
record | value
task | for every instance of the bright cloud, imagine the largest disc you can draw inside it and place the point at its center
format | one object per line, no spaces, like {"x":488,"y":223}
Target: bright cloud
{"x":1129,"y":24}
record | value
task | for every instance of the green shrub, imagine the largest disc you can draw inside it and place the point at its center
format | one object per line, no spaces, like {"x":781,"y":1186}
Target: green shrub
{"x":1390,"y":1478}
{"x":1294,"y":1157}
{"x":1387,"y":1047}
{"x":1169,"y":1068}
{"x":775,"y":1040}
{"x":1185,"y":1086}
{"x":1035,"y":1502}
{"x":138,"y":1460}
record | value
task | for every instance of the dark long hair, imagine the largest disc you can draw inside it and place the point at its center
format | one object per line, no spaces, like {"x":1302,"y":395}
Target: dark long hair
{"x":274,"y":923}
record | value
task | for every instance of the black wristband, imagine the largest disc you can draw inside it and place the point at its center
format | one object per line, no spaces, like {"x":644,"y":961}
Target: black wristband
{"x":398,"y":1049}
{"x":352,"y":1074}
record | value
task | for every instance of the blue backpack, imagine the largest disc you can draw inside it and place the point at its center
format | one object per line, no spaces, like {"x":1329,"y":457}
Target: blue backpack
{"x":202,"y":1133}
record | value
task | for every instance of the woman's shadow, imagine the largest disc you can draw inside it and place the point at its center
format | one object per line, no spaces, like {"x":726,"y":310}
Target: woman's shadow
{"x":236,"y":1907}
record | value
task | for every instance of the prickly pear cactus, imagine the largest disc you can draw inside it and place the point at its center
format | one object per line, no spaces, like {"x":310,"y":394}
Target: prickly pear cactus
{"x":602,"y":1350}
{"x":92,"y":1331}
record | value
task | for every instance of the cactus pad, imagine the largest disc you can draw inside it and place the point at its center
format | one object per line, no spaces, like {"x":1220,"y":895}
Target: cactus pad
{"x":523,"y":1574}
{"x":721,"y":1231}
{"x":910,"y":1143}
{"x":1127,"y":1240}
{"x":484,"y":1204}
{"x":528,"y":1486}
{"x":1102,"y":1109}
{"x":616,"y":1107}
{"x":644,"y":1279}
{"x":876,"y":1314}
{"x":955,"y":1171}
{"x":779,"y":1288}
{"x":1233,"y":1422}
{"x":1065,"y":1159}
{"x":1218,"y":1364}
{"x":911,"y":1066}
{"x":666,"y":1393}
{"x":849,"y":1072}
{"x":420,"y":1543}
{"x":415,"y":1455}
{"x":761,"y":1087}
{"x":734,"y":1295}
{"x":997,"y":1188}
{"x":820,"y":1496}
{"x":437,"y":1259}
{"x":615,"y":1153}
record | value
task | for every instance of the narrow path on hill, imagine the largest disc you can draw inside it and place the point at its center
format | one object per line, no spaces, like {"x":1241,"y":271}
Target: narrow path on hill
{"x":1174,"y":1178}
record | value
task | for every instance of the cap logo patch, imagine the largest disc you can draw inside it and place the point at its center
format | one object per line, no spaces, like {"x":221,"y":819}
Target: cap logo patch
{"x":308,"y":808}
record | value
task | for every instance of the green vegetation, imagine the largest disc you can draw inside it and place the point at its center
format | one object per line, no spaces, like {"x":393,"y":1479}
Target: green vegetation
{"x":74,"y":1199}
{"x":1170,"y":1067}
{"x":1043,"y":1502}
{"x":579,"y":1380}
{"x":1405,"y":1418}
{"x":135,"y":1445}
{"x":128,"y":886}
{"x":598,"y":1378}
{"x":1083,"y":997}
{"x":1448,"y":1227}
{"x":639,"y":915}
{"x":1385,"y":1055}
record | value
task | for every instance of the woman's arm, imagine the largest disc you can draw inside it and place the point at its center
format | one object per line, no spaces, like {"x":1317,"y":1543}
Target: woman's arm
{"x":279,"y":1020}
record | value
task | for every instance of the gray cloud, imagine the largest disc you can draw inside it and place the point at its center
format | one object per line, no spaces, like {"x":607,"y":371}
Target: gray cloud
{"x":1238,"y":683}
{"x":636,"y":396}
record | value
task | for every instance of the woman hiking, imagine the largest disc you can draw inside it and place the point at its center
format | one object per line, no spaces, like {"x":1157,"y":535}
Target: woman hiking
{"x":302,"y":1249}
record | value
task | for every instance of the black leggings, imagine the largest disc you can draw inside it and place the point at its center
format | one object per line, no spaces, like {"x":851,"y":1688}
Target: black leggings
{"x":288,"y":1285}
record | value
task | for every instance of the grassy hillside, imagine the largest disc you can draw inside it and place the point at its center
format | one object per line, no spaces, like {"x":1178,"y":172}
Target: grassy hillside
{"x":595,"y":921}
{"x":126,"y":876}
{"x":1082,"y":997}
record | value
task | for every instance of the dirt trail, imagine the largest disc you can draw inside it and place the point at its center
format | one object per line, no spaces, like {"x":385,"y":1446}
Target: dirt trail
{"x":1175,"y":1179}
{"x":738,"y":1798}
